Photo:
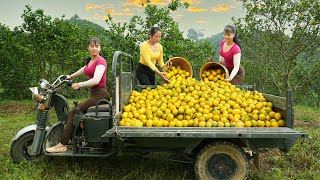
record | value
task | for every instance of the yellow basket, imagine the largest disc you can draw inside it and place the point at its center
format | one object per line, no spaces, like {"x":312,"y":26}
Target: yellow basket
{"x":213,"y":65}
{"x":182,"y":62}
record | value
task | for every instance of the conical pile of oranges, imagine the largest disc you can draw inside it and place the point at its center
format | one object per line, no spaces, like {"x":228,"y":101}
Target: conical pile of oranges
{"x":186,"y":102}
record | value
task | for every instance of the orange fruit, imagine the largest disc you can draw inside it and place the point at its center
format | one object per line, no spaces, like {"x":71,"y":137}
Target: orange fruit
{"x":274,"y":124}
{"x":247,"y":124}
{"x":262,"y":117}
{"x":260,"y":123}
{"x":281,"y":123}
{"x":277,"y":116}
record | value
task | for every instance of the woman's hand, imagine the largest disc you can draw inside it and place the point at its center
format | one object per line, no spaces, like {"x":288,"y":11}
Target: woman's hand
{"x":162,"y":75}
{"x":167,"y":66}
{"x":69,"y":77}
{"x":75,"y":86}
{"x":164,"y":78}
{"x":227,"y":80}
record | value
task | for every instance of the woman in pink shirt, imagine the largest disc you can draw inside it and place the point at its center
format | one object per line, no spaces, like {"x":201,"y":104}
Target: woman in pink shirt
{"x":230,"y":55}
{"x":95,"y":69}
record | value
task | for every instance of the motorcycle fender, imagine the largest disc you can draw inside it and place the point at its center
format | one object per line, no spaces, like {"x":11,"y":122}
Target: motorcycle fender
{"x":25,"y":130}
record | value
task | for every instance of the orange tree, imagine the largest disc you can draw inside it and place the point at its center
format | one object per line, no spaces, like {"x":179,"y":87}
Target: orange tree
{"x":41,"y":47}
{"x":127,"y":36}
{"x":16,"y":68}
{"x":277,"y":37}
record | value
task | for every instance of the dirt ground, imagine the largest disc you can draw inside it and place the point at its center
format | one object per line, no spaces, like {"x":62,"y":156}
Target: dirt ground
{"x":315,"y":124}
{"x":17,"y":107}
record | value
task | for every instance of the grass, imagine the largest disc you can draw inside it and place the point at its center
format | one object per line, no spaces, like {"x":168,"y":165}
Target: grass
{"x":301,"y":162}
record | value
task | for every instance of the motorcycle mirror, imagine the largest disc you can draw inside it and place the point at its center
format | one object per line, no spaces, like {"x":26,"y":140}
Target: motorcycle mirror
{"x":35,"y":92}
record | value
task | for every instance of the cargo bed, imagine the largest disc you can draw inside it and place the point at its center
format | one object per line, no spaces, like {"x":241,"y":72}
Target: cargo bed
{"x":209,"y":132}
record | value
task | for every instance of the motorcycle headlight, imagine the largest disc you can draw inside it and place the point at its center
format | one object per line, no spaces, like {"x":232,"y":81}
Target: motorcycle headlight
{"x":44,"y":84}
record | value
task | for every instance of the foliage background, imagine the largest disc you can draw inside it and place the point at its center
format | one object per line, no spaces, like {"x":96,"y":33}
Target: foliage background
{"x":279,"y":39}
{"x":275,"y":55}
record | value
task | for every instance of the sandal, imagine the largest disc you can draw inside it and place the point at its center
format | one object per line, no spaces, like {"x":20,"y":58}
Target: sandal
{"x":57,"y":148}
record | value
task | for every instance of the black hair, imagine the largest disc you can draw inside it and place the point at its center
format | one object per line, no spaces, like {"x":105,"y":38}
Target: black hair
{"x":154,"y":30}
{"x":94,"y":40}
{"x":232,"y":29}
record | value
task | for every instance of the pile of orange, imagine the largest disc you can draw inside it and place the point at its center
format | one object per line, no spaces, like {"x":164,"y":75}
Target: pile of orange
{"x":186,"y":102}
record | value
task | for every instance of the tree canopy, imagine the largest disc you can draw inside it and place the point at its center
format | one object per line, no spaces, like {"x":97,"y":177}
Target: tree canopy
{"x":278,"y":40}
{"x":51,"y":47}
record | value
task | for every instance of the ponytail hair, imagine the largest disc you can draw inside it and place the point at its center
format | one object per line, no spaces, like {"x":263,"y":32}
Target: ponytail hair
{"x":232,"y":29}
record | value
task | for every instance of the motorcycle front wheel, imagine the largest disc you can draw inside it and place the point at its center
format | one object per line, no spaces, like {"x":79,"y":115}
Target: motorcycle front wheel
{"x":19,"y":149}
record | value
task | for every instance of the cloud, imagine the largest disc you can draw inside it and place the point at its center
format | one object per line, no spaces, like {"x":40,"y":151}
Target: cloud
{"x":98,"y":17}
{"x":137,"y":9}
{"x":140,"y":2}
{"x":94,"y":17}
{"x":128,"y":12}
{"x":124,"y":12}
{"x":202,"y":22}
{"x":158,"y":2}
{"x":192,"y":1}
{"x":109,"y":5}
{"x":93,"y":6}
{"x":110,"y":11}
{"x":222,"y":8}
{"x":177,"y":16}
{"x":196,"y":9}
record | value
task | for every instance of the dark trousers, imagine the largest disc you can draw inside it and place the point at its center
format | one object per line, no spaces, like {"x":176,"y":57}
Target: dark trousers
{"x":239,"y":77}
{"x":145,"y":75}
{"x":96,"y":94}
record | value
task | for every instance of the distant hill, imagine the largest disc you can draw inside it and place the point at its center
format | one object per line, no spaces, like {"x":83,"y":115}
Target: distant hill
{"x":86,"y":24}
{"x":215,"y":40}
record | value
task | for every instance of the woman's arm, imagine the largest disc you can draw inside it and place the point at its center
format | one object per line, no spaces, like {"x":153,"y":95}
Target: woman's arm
{"x":76,"y":74}
{"x":162,"y":75}
{"x":160,"y":60}
{"x":98,"y":73}
{"x":236,"y":65}
{"x":221,"y":60}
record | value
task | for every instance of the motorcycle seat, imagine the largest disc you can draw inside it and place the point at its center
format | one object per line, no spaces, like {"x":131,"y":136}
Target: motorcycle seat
{"x":101,"y":108}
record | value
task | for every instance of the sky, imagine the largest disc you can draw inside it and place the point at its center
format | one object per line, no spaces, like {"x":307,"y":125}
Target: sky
{"x":208,"y":16}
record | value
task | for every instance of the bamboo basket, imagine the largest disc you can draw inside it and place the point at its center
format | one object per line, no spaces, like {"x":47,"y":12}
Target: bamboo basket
{"x":182,"y":62}
{"x":213,"y":65}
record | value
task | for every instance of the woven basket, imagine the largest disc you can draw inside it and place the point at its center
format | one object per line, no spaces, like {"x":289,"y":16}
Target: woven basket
{"x":182,"y":62}
{"x":213,"y":65}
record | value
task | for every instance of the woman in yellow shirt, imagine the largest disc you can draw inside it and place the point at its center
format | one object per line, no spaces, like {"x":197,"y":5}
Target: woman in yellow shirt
{"x":151,"y":51}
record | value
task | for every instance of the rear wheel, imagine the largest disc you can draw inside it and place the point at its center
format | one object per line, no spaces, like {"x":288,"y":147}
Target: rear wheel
{"x":20,"y":149}
{"x":221,"y":160}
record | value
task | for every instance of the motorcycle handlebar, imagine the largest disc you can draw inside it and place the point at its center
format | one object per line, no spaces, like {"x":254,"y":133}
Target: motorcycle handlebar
{"x":60,"y":80}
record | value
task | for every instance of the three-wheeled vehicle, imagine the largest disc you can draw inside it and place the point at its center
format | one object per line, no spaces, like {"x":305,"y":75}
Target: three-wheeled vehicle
{"x":218,"y":153}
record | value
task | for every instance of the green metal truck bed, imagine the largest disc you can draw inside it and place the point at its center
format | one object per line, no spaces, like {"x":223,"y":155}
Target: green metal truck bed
{"x":197,"y":132}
